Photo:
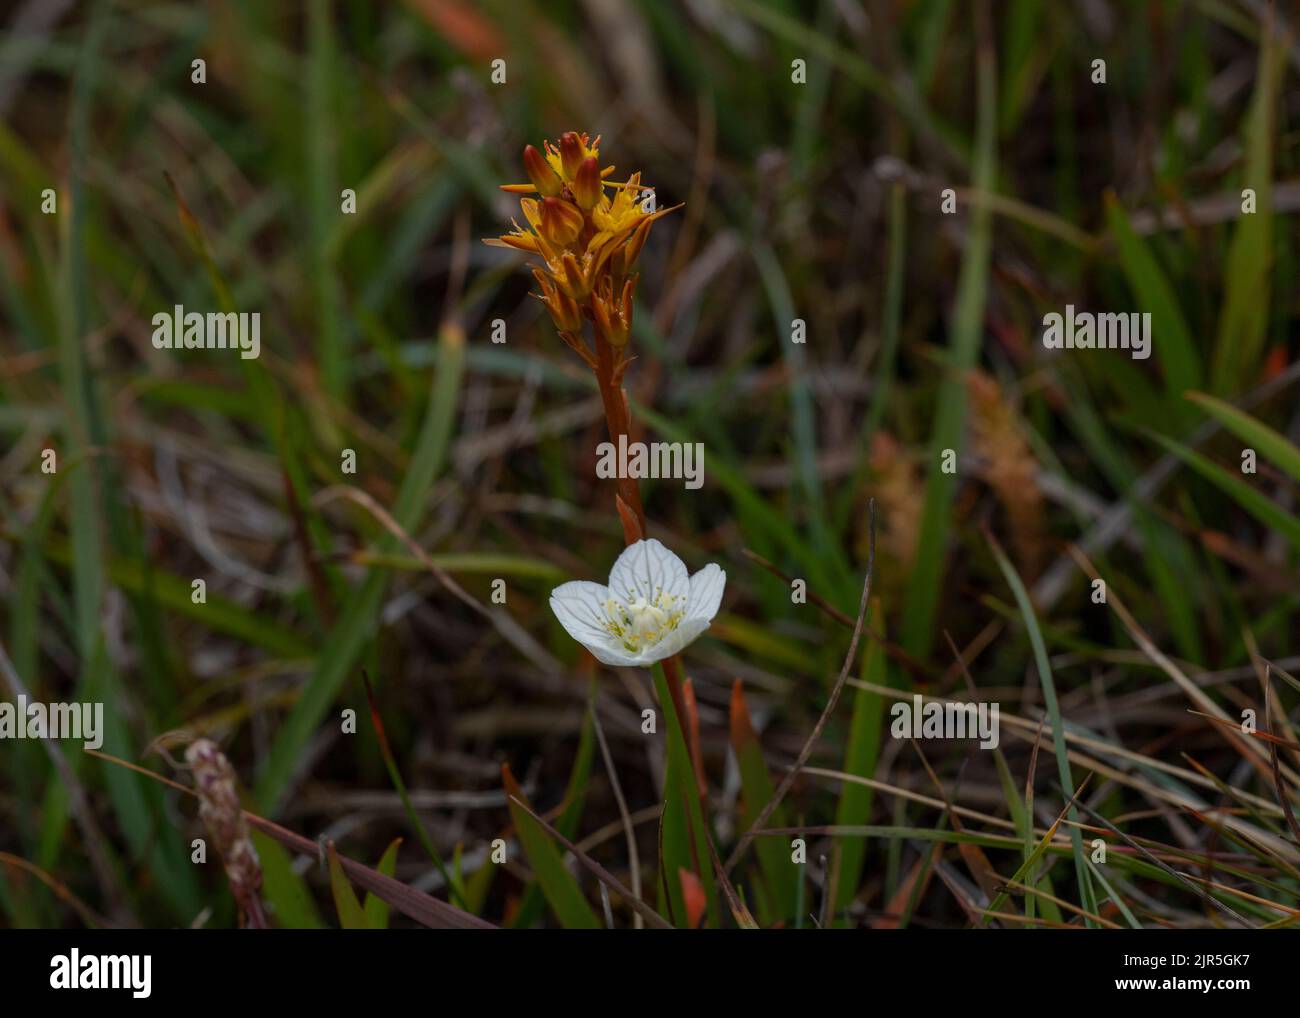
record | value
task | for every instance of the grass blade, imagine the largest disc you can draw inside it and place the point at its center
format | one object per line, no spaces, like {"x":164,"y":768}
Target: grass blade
{"x":1086,"y":897}
{"x":558,"y":885}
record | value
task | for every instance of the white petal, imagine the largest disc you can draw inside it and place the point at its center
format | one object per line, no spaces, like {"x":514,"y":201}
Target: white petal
{"x":646,"y":568}
{"x":580,"y":607}
{"x":685,"y":634}
{"x":706,"y":593}
{"x":613,"y":654}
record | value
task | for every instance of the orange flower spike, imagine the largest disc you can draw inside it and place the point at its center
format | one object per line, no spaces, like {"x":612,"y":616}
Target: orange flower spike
{"x":588,"y":238}
{"x":561,"y":223}
{"x":586,"y":184}
{"x":545,"y":179}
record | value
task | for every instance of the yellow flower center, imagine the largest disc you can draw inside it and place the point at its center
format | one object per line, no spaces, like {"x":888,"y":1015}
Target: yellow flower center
{"x":639,"y":623}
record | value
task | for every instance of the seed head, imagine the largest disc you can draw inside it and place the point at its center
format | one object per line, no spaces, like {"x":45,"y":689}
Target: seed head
{"x":214,"y":780}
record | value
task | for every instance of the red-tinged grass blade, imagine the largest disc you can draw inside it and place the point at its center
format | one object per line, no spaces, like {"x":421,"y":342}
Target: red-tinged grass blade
{"x":735,"y":903}
{"x":1235,"y":726}
{"x":377,"y":910}
{"x":558,"y":885}
{"x":693,"y":896}
{"x":693,"y":735}
{"x":860,"y":758}
{"x":351,"y":915}
{"x":911,"y":889}
{"x":575,"y":798}
{"x":756,"y":784}
{"x":684,"y":846}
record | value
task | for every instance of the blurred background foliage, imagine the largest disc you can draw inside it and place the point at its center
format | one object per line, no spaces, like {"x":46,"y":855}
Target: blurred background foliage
{"x":820,"y":201}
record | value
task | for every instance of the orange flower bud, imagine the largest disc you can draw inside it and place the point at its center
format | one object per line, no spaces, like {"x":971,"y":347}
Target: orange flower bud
{"x":586,"y":183}
{"x":570,"y":154}
{"x":609,"y":321}
{"x":566,"y":314}
{"x":632,"y":249}
{"x":563,"y":309}
{"x":628,"y":289}
{"x":574,"y":281}
{"x":545,"y":179}
{"x":520,"y":241}
{"x":561,"y":222}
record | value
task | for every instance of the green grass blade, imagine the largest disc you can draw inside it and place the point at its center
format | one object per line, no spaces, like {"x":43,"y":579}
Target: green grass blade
{"x":377,"y":910}
{"x":323,"y":196}
{"x":923,"y":588}
{"x":1261,"y":507}
{"x":1179,"y":357}
{"x":285,"y":891}
{"x":860,"y":758}
{"x":351,"y":915}
{"x":575,"y":798}
{"x":1243,"y":323}
{"x":683,"y":835}
{"x":1044,"y":666}
{"x":757,"y":788}
{"x":356,"y":624}
{"x":558,"y":885}
{"x":1274,"y":447}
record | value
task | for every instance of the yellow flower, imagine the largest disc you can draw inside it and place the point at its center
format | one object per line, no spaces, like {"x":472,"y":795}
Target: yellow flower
{"x":589,"y":233}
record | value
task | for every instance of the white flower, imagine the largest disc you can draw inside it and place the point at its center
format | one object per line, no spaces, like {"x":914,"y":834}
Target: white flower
{"x":650,"y":610}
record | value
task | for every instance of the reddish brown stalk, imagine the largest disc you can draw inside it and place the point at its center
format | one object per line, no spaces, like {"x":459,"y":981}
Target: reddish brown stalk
{"x":589,"y":243}
{"x":609,"y":378}
{"x":691,"y":728}
{"x":608,"y":371}
{"x":632,"y":531}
